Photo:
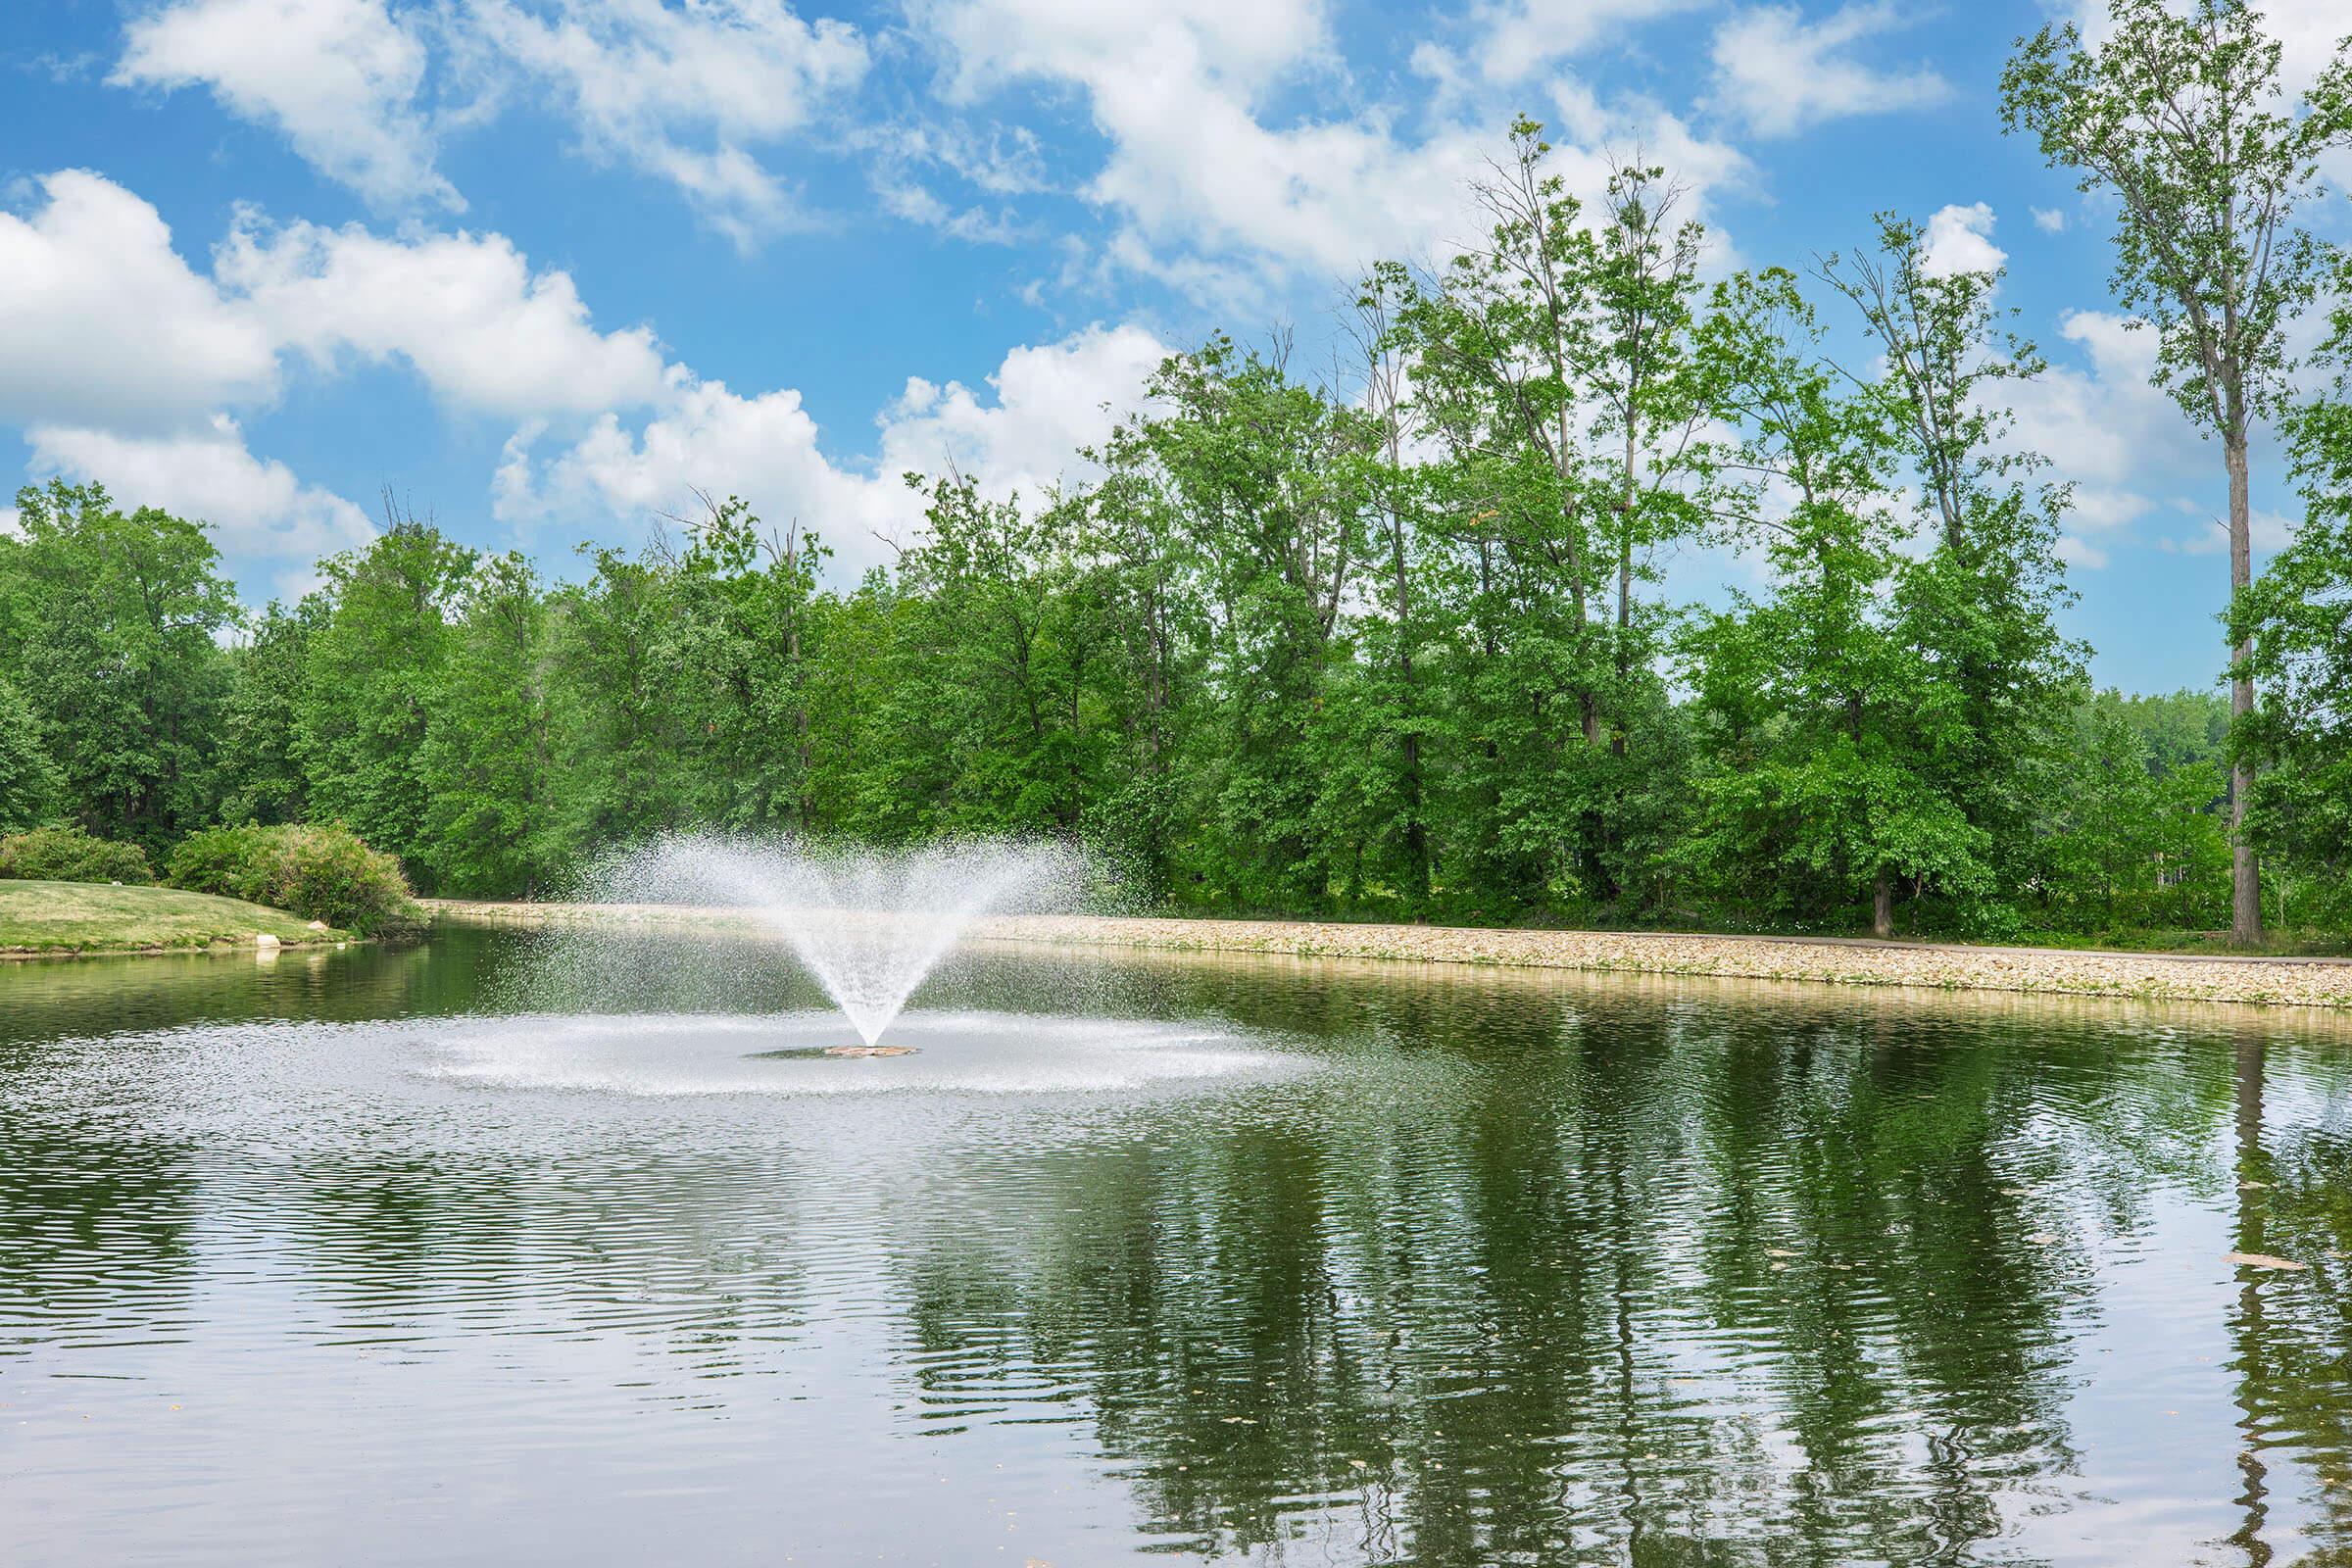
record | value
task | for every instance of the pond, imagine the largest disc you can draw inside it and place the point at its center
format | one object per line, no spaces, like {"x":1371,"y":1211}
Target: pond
{"x":487,"y":1252}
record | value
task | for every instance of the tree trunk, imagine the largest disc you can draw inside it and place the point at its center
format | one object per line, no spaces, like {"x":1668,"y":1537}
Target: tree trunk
{"x":2245,"y":875}
{"x":1882,"y":905}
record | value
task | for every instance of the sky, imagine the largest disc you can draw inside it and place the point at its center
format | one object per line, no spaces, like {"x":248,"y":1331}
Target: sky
{"x":540,"y":269}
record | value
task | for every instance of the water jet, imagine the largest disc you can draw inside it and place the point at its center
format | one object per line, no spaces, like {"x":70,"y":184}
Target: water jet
{"x":868,"y":924}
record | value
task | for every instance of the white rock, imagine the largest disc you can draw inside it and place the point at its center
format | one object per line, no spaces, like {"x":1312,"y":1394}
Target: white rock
{"x":265,"y":940}
{"x":318,"y":925}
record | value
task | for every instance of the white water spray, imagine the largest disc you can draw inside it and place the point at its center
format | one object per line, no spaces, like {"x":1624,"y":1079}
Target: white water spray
{"x":868,"y":924}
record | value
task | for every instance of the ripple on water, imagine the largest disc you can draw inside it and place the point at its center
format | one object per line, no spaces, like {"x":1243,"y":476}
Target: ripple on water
{"x":965,"y":1053}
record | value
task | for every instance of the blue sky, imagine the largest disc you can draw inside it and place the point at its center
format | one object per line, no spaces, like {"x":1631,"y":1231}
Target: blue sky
{"x":542,"y":267}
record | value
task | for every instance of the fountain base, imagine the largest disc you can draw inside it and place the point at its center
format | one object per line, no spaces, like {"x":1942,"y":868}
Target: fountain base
{"x":869,"y":1051}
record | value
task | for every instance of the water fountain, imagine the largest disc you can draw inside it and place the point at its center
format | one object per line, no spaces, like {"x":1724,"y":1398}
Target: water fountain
{"x":679,"y":989}
{"x":868,"y":924}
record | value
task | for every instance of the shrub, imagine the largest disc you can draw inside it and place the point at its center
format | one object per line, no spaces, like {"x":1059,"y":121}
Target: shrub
{"x":322,"y":873}
{"x":66,"y":853}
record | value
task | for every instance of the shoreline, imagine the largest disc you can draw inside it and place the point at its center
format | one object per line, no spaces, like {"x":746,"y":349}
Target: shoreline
{"x":165,"y":950}
{"x":2240,"y":979}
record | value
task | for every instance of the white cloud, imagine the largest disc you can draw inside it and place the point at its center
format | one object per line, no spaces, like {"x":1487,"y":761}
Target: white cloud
{"x":1515,"y":38}
{"x":2051,"y":220}
{"x":1048,"y":401}
{"x":483,"y":330}
{"x":1244,"y":46}
{"x":259,"y":511}
{"x":2102,"y":424}
{"x":684,"y":93}
{"x":1959,"y":240}
{"x":339,"y":77}
{"x":2079,"y":552}
{"x":1780,"y":73}
{"x":118,"y":356}
{"x":1213,"y":197}
{"x":103,"y":323}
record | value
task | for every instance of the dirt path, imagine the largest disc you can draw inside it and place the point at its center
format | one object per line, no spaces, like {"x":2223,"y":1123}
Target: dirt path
{"x":2172,"y":977}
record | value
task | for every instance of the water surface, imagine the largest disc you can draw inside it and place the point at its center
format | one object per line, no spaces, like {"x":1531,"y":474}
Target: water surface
{"x":399,"y":1256}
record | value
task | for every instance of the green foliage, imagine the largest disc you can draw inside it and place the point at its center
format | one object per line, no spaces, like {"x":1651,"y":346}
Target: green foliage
{"x":370,"y":673}
{"x":110,"y":639}
{"x":320,"y":872}
{"x":68,"y":853}
{"x":29,"y":786}
{"x":2296,"y":624}
{"x":1394,"y":644}
{"x":2181,"y":116}
{"x":260,"y":776}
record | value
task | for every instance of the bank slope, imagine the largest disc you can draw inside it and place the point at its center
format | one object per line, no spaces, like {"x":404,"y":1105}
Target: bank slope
{"x":43,"y":918}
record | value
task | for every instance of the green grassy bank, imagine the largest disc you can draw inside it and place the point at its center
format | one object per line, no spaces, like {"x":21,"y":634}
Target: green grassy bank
{"x":49,"y":918}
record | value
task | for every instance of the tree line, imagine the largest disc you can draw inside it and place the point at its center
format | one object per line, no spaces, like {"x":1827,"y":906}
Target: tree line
{"x":1393,"y":641}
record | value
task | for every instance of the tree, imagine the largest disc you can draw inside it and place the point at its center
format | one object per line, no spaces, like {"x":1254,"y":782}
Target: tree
{"x":486,"y":762}
{"x":2181,"y":117}
{"x":1553,"y":363}
{"x":28,"y":781}
{"x":372,"y":675}
{"x":115,"y":618}
{"x":1831,"y":723}
{"x":1986,"y":595}
{"x":1268,"y":477}
{"x":262,"y":778}
{"x":2295,"y":625}
{"x":619,"y":710}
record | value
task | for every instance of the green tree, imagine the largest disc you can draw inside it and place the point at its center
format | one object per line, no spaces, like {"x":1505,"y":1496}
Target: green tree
{"x":262,"y":778}
{"x":1269,"y":480}
{"x":114,"y":622}
{"x":372,"y":675}
{"x":1832,"y":723}
{"x":1986,"y":595}
{"x":2181,"y":117}
{"x":486,"y":760}
{"x":618,"y":712}
{"x":2295,"y":625}
{"x":28,"y":781}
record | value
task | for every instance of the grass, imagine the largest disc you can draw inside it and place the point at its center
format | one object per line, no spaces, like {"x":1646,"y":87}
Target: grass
{"x":68,"y":918}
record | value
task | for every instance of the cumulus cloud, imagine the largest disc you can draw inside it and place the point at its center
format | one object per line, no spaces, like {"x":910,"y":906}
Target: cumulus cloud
{"x":339,"y":77}
{"x":119,"y":359}
{"x":1218,"y":196}
{"x":2122,"y":442}
{"x":259,"y":511}
{"x":1044,"y":402}
{"x":103,"y":323}
{"x":483,"y":330}
{"x":684,"y":93}
{"x":1780,"y":73}
{"x":2051,"y":220}
{"x":688,"y":94}
{"x":1959,"y":240}
{"x":1516,"y":38}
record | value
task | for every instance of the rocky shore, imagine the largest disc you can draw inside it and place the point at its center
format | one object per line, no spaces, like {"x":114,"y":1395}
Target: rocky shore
{"x":2260,"y":981}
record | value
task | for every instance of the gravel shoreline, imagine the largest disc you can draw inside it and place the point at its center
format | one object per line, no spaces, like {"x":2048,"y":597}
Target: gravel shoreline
{"x":2162,"y":978}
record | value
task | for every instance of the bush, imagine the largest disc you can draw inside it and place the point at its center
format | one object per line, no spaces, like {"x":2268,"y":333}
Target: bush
{"x":66,"y":853}
{"x":321,"y":874}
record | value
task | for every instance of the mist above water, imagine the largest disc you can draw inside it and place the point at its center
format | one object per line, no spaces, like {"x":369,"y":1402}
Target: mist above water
{"x":868,"y":924}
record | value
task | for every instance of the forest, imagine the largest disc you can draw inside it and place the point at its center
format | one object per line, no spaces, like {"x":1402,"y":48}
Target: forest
{"x":1394,"y":641}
